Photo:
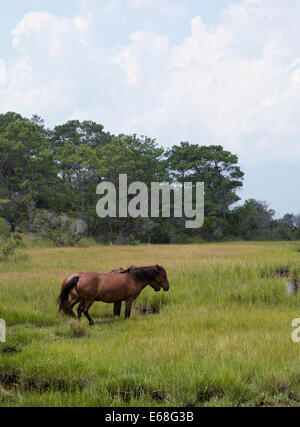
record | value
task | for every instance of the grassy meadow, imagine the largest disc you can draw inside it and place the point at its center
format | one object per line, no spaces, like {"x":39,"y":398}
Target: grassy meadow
{"x":220,"y":337}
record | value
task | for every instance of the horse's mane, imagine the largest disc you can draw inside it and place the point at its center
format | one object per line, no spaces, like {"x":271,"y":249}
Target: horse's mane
{"x":143,"y":274}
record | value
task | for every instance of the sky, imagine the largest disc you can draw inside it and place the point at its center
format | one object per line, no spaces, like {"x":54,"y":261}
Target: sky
{"x":211,"y":72}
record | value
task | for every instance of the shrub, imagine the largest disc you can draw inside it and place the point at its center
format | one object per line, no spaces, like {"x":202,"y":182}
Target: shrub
{"x":77,"y":329}
{"x":60,"y":230}
{"x":128,"y":240}
{"x":10,"y":246}
{"x":61,"y":237}
{"x":161,"y":233}
{"x":181,"y":239}
{"x":4,"y":229}
{"x":72,"y":329}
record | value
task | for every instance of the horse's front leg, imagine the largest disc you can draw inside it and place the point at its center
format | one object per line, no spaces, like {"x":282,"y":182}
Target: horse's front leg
{"x":128,"y":308}
{"x":117,"y":309}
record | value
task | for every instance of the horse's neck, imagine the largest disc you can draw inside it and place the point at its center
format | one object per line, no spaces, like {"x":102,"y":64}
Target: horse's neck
{"x":142,"y":285}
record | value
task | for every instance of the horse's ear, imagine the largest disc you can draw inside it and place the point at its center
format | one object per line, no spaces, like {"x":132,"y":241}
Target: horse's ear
{"x":158,"y":267}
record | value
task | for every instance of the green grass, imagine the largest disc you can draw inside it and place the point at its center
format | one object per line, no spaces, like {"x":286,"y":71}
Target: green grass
{"x":220,"y":337}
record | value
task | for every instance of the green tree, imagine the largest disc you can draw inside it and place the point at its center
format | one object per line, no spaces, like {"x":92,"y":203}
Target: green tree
{"x":138,"y":157}
{"x":253,"y":220}
{"x":78,"y":170}
{"x":27,"y":169}
{"x":86,"y":133}
{"x":214,"y":166}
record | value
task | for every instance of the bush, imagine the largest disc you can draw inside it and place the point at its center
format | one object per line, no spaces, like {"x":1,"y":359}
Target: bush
{"x":72,"y":329}
{"x":61,"y":237}
{"x":77,"y":329}
{"x":60,"y":230}
{"x":128,"y":240}
{"x":180,"y":239}
{"x":17,"y":237}
{"x":161,"y":234}
{"x":86,"y":243}
{"x":10,"y":246}
{"x":4,"y":229}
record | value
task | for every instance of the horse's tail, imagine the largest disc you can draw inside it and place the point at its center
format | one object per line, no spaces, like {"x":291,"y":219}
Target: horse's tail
{"x":63,"y":299}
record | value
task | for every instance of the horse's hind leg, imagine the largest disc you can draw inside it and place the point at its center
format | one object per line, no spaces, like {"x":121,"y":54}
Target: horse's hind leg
{"x":70,"y":307}
{"x":117,"y":309}
{"x":86,"y":308}
{"x":80,"y":310}
{"x":91,"y":322}
{"x":73,"y":302}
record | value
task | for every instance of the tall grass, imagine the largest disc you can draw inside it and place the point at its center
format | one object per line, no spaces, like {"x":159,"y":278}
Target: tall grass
{"x":220,"y":337}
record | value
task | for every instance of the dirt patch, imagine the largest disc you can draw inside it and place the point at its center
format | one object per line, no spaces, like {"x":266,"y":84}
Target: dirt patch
{"x":36,"y":383}
{"x":130,"y":392}
{"x":159,"y":395}
{"x":148,"y":309}
{"x":127,"y":393}
{"x":10,"y":350}
{"x":9,"y":379}
{"x":281,"y":271}
{"x":284,"y":272}
{"x":260,"y":404}
{"x":205,"y":395}
{"x":282,"y":387}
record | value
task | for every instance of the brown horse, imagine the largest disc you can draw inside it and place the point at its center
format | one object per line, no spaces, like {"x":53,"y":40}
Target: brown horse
{"x":73,"y":295}
{"x":114,"y":288}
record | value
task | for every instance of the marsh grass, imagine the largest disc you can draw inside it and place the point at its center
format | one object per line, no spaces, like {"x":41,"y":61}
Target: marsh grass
{"x":72,"y":329}
{"x":220,"y":337}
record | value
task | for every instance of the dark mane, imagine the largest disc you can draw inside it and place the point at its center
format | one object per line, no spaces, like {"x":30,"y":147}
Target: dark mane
{"x":144,"y":274}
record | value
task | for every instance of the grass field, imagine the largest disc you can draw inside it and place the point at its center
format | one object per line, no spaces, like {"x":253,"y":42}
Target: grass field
{"x":220,"y":337}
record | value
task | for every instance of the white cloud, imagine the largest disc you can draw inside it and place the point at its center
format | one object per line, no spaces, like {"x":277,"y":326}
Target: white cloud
{"x":133,"y":58}
{"x":49,"y":32}
{"x":129,"y":64}
{"x":203,"y":47}
{"x":236,"y":83}
{"x":23,"y":93}
{"x":173,"y":9}
{"x":43,"y":77}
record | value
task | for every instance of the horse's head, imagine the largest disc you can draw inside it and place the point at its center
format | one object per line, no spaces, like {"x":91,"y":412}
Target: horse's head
{"x":161,"y":280}
{"x":155,"y":276}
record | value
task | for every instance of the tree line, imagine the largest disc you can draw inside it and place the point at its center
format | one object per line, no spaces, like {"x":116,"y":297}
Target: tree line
{"x":48,"y":181}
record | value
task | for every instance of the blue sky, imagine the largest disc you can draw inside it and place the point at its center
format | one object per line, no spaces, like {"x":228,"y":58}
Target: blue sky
{"x":207,"y":71}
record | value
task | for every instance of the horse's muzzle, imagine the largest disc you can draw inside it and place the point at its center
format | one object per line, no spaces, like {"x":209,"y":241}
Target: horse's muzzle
{"x":157,"y":288}
{"x":166,"y":288}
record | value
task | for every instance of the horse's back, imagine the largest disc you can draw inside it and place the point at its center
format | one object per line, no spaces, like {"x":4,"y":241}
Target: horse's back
{"x":105,"y":287}
{"x":71,"y":277}
{"x":89,"y":283}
